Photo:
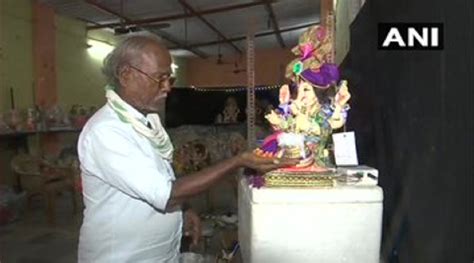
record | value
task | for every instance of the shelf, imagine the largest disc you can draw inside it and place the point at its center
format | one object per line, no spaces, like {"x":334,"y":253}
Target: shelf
{"x":28,"y":133}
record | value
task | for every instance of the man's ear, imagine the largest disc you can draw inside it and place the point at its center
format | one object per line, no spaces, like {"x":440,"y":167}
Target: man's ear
{"x":124,"y":76}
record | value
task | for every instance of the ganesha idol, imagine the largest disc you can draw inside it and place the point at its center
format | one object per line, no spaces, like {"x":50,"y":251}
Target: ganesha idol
{"x":310,"y":108}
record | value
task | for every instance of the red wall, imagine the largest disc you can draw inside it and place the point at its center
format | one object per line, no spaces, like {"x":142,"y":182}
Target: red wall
{"x":270,"y":67}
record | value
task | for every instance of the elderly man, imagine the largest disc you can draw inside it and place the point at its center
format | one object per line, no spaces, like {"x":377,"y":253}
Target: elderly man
{"x":132,"y":199}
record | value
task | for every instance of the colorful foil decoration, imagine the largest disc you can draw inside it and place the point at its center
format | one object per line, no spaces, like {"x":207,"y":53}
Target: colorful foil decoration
{"x":307,"y":51}
{"x":256,"y":181}
{"x":326,"y":75}
{"x":320,"y":33}
{"x":298,"y":68}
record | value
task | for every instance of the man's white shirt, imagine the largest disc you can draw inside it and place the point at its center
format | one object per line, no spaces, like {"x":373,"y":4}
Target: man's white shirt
{"x":126,"y":186}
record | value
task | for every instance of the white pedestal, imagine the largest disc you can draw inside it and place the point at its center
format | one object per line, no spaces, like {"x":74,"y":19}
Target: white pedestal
{"x":340,"y":224}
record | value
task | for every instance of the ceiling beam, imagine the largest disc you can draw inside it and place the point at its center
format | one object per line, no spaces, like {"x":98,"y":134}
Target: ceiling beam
{"x":261,"y":34}
{"x":181,"y":15}
{"x":86,"y":21}
{"x":276,"y":28}
{"x":213,"y":28}
{"x":166,"y":37}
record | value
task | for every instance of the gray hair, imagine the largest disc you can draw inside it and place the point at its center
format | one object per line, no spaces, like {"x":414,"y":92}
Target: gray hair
{"x":127,"y":51}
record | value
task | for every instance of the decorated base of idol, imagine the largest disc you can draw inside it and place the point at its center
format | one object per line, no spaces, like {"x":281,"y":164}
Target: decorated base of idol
{"x":310,"y":109}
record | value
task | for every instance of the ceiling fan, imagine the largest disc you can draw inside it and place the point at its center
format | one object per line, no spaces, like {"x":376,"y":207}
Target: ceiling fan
{"x":238,"y":70}
{"x":219,"y":56}
{"x":220,"y":60}
{"x":122,"y":29}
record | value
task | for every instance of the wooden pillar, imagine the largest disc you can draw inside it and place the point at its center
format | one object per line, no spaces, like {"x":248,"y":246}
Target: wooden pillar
{"x":327,"y":7}
{"x":3,"y":163}
{"x":44,"y":66}
{"x":1,"y":47}
{"x":328,"y":20}
{"x":3,"y":101}
{"x":44,"y":55}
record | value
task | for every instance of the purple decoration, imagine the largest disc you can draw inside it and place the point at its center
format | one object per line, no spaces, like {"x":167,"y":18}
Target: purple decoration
{"x":326,"y":75}
{"x":271,"y":146}
{"x":327,"y":110}
{"x":257,"y":181}
{"x":285,"y":109}
{"x":344,"y":114}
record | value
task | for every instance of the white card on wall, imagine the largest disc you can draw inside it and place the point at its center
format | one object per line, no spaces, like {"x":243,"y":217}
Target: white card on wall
{"x":345,"y":152}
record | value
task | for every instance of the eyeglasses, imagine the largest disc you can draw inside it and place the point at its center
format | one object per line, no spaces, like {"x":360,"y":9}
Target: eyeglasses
{"x":160,"y":80}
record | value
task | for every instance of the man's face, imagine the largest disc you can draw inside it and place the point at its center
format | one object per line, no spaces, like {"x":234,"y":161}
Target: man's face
{"x":145,"y":85}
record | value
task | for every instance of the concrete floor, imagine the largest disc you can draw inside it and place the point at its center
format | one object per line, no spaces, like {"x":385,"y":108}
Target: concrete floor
{"x":30,"y":239}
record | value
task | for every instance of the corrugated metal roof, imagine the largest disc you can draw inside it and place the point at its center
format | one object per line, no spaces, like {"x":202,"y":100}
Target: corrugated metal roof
{"x":231,"y":24}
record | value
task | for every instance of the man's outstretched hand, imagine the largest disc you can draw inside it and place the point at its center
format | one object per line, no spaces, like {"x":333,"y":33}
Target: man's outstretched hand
{"x":265,"y":164}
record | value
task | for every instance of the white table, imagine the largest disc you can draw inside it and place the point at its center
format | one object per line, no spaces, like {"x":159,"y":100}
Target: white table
{"x":339,"y":224}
